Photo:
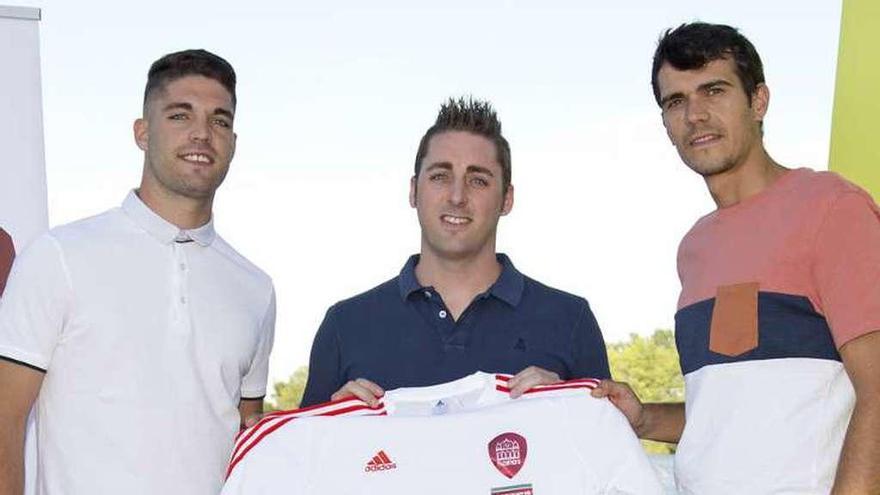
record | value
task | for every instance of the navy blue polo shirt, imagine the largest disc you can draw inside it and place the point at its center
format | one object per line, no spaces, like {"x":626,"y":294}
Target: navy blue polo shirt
{"x":400,"y":334}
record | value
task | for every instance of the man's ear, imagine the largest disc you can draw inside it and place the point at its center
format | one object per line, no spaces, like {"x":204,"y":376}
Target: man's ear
{"x":412,"y":190}
{"x":507,"y":203}
{"x":141,"y":134}
{"x":760,"y":102}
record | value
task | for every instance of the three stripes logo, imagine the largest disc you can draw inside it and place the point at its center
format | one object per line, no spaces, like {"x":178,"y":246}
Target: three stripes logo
{"x":380,"y":462}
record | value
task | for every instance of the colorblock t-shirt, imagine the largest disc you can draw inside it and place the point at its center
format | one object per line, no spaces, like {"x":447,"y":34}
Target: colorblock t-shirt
{"x":772,"y":287}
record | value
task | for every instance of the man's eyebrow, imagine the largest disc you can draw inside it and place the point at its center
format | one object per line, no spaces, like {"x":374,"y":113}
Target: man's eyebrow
{"x":179,"y":105}
{"x":716,"y":82}
{"x":701,"y":87}
{"x":441,"y":165}
{"x":665,"y":99}
{"x":480,"y":170}
{"x":224,"y":112}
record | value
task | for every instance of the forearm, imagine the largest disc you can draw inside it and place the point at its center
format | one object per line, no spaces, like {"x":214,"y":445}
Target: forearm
{"x":12,"y":455}
{"x":857,"y":471}
{"x":661,"y":422}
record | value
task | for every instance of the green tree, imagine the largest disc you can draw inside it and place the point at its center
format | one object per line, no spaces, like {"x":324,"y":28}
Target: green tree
{"x":288,"y":394}
{"x":650,"y":366}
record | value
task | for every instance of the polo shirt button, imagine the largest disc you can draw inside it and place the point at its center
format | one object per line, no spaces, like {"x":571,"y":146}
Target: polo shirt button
{"x":442,"y":313}
{"x":428,"y":294}
{"x":182,"y":267}
{"x":182,"y":299}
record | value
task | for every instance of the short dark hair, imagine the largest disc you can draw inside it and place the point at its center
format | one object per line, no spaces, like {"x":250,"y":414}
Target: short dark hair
{"x":474,"y":116}
{"x":692,"y":46}
{"x":199,"y":62}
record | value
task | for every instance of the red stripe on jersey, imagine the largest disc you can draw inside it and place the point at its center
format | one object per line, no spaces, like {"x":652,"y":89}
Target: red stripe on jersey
{"x":278,"y":421}
{"x":586,"y":383}
{"x":323,"y":409}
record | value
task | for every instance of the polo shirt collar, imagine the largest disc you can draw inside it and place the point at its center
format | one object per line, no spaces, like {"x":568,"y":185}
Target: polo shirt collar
{"x":508,"y":287}
{"x":163,"y":230}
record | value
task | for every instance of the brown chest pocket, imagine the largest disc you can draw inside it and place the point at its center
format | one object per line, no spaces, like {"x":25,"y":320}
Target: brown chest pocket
{"x":734,"y":328}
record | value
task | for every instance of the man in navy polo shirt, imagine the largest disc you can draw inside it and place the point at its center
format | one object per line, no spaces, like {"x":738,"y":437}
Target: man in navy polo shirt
{"x":458,"y":306}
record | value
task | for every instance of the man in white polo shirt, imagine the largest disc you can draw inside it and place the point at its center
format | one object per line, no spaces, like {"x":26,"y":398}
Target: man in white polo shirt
{"x":140,"y":334}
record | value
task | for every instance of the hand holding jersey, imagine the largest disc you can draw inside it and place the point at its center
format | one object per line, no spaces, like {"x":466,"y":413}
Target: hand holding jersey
{"x":369,"y":392}
{"x":466,"y":436}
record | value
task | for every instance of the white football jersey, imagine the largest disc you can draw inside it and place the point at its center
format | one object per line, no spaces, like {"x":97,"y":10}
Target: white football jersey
{"x":464,"y":437}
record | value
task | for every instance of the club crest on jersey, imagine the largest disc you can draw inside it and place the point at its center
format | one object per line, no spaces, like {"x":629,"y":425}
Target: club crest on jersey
{"x":508,"y":452}
{"x":380,"y":462}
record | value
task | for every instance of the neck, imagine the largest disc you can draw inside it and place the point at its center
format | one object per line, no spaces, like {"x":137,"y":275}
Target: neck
{"x":744,"y":180}
{"x":458,"y":279}
{"x":185,"y":213}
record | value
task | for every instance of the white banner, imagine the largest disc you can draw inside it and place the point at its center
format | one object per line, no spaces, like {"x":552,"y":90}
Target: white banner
{"x":23,"y":205}
{"x":23,"y":209}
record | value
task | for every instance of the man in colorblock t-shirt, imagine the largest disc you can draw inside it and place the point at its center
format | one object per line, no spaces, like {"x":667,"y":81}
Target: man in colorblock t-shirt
{"x":778,"y":315}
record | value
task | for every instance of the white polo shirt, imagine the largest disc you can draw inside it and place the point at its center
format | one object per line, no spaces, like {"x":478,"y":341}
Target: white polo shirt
{"x":462,"y":437}
{"x":148,"y":344}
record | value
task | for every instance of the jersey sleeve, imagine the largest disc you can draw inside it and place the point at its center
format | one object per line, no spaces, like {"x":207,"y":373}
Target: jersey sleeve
{"x":846,"y":266}
{"x":588,"y":347}
{"x":609,"y":448}
{"x":35,"y":305}
{"x":253,"y":385}
{"x":324,"y":374}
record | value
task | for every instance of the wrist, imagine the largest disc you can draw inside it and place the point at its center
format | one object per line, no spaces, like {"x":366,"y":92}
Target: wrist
{"x":642,"y":423}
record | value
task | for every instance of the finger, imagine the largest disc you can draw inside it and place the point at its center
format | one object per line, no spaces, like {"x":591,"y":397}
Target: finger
{"x":376,"y":390}
{"x":603,"y":389}
{"x":364,"y":394}
{"x":360,"y":389}
{"x":524,"y":384}
{"x":252,"y":420}
{"x":517,"y":378}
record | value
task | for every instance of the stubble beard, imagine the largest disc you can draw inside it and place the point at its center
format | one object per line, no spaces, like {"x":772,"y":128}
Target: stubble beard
{"x":177,"y":184}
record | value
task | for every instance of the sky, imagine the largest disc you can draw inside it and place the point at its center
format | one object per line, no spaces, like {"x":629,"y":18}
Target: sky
{"x":333,"y":98}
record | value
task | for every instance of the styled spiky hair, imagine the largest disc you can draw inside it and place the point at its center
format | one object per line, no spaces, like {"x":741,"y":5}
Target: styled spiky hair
{"x":470,"y":115}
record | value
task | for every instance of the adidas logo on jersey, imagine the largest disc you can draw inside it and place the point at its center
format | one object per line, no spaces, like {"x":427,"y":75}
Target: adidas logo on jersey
{"x":380,"y":462}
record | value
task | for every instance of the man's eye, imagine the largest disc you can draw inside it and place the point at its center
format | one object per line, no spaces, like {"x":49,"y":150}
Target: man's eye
{"x":674,"y":102}
{"x":436,"y":177}
{"x":715,"y":90}
{"x":177,"y":116}
{"x":222,"y":123}
{"x":479,"y":182}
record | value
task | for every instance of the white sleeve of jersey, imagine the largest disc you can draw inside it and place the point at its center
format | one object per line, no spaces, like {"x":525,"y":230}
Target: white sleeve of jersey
{"x":269,"y":470}
{"x":607,"y":443}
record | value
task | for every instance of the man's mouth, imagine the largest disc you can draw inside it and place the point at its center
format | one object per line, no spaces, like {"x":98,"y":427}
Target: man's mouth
{"x":704,"y":139}
{"x":455,"y":219}
{"x":200,"y":158}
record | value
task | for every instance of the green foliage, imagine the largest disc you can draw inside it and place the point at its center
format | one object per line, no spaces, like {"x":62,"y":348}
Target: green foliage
{"x":289,"y":394}
{"x":650,"y":366}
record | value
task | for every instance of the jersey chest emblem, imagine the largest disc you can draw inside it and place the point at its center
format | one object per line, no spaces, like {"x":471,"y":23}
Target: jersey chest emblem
{"x":508,"y":452}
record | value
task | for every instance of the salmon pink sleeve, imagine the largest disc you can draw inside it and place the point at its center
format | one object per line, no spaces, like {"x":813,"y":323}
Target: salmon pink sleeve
{"x":846,"y":267}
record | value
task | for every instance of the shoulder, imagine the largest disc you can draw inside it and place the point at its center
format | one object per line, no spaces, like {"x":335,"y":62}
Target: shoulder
{"x":551,"y":297}
{"x":379,"y":297}
{"x":827,"y":195}
{"x":240,"y":263}
{"x":90,"y":229}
